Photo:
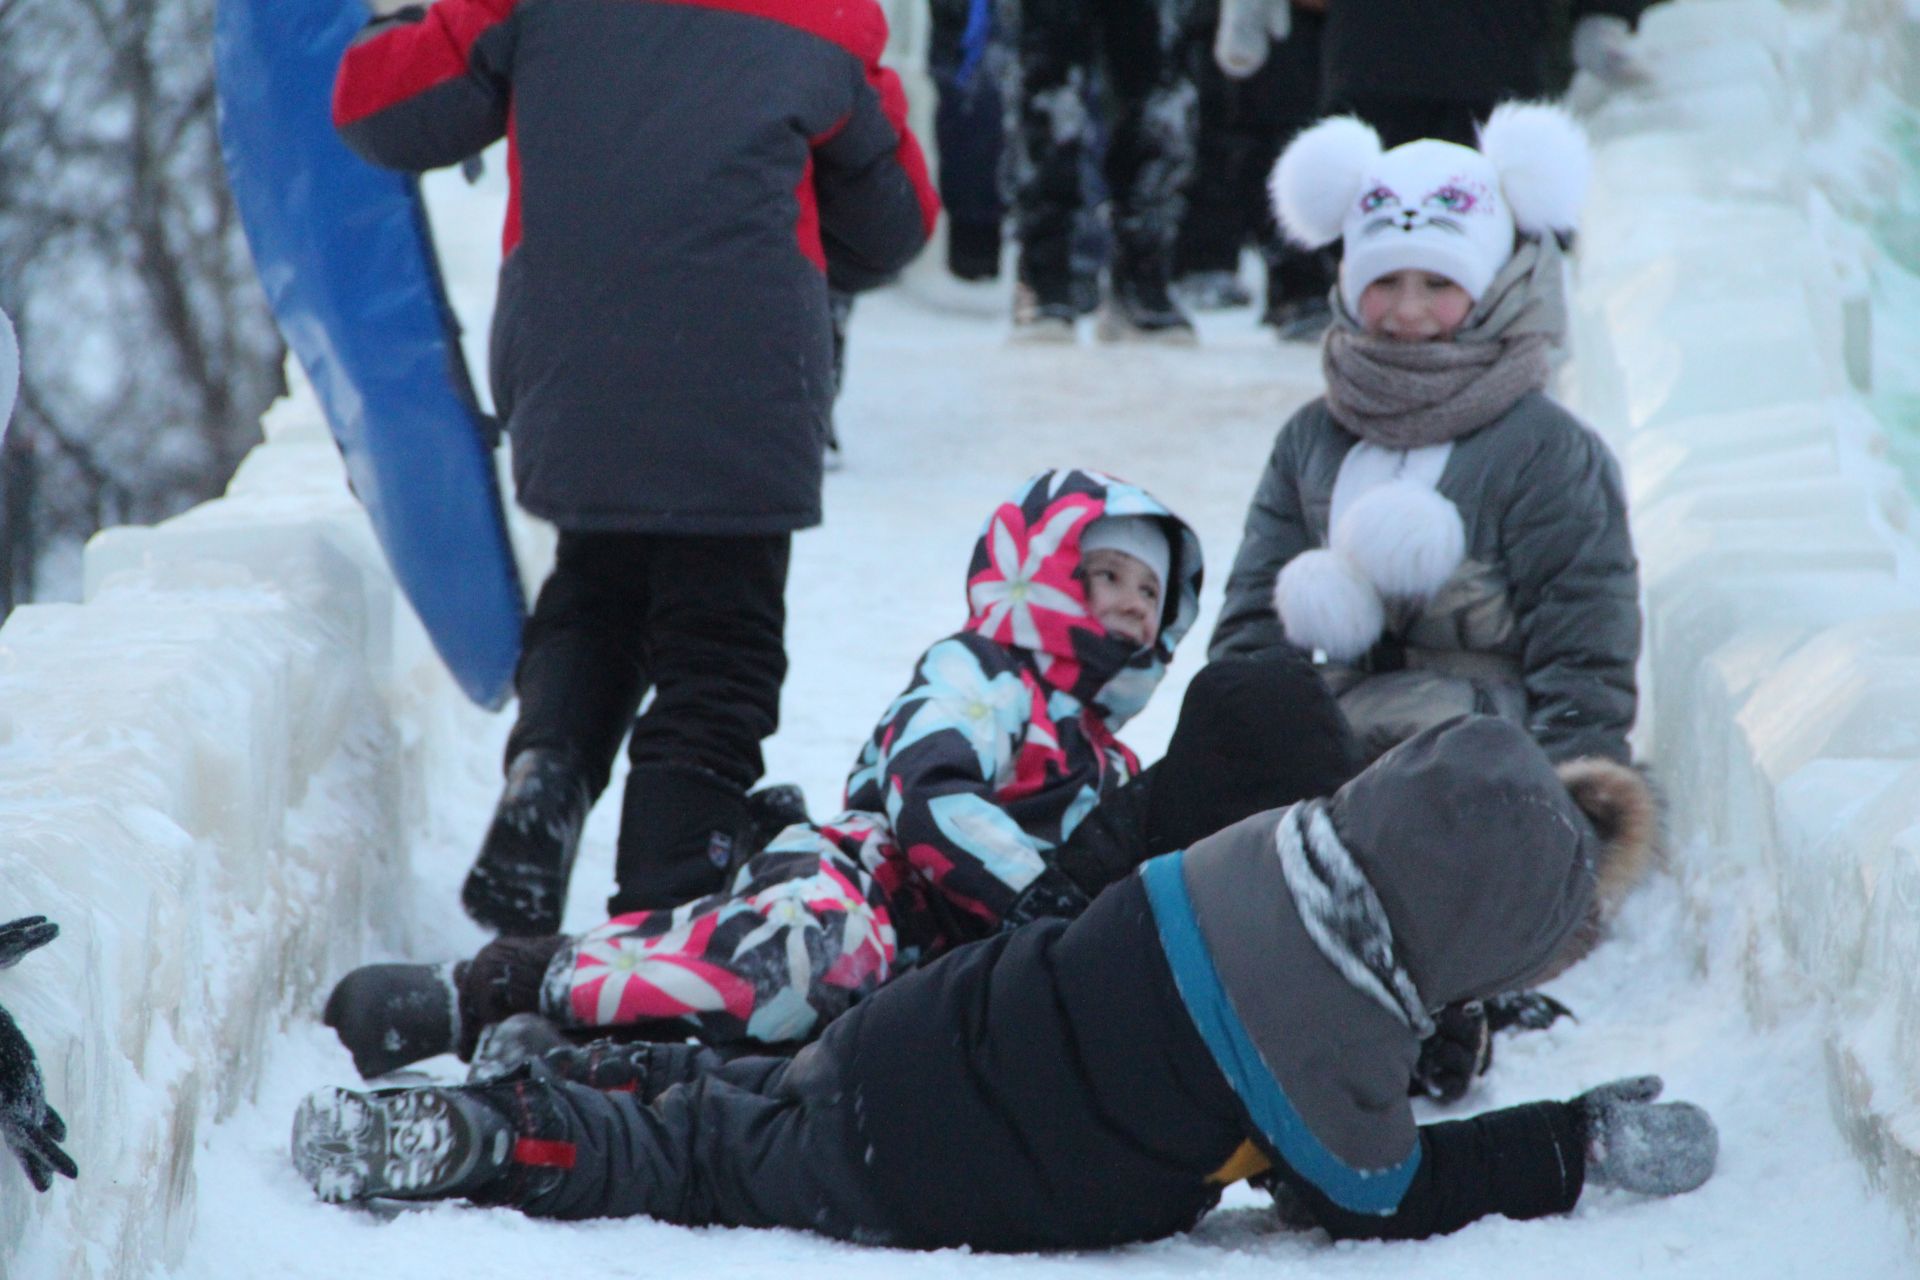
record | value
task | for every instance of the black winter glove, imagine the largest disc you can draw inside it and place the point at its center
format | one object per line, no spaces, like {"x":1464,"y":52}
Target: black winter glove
{"x":20,"y":936}
{"x":1460,"y":1048}
{"x":28,"y":1125}
{"x":1636,"y":1145}
{"x":1110,"y":841}
{"x":1525,"y":1011}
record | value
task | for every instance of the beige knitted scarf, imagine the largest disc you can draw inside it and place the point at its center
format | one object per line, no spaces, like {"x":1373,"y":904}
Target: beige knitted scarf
{"x":1404,"y":395}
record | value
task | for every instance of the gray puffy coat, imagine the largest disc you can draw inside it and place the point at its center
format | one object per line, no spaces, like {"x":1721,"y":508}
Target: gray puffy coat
{"x":1541,"y":622}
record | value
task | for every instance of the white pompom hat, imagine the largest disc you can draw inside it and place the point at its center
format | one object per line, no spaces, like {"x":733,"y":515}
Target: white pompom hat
{"x":1430,"y":205}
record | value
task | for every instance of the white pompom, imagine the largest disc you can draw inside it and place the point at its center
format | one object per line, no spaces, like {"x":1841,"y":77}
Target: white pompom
{"x":1544,"y":163}
{"x":1319,"y":177}
{"x":1324,"y":603}
{"x":1406,"y":538}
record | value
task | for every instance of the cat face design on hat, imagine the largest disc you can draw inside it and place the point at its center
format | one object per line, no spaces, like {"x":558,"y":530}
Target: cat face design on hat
{"x":1430,"y":205}
{"x":1445,"y":207}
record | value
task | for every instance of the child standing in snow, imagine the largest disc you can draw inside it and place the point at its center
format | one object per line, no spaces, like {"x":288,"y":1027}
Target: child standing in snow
{"x":1090,"y":1083}
{"x":992,"y":792}
{"x":1442,"y":534}
{"x":687,"y":181}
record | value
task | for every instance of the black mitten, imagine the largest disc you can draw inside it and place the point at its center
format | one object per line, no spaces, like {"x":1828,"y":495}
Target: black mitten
{"x":1460,"y":1048}
{"x":1525,"y":1011}
{"x":28,"y":1125}
{"x":1635,"y":1144}
{"x":1253,"y":735}
{"x":17,"y":937}
{"x":1110,"y":841}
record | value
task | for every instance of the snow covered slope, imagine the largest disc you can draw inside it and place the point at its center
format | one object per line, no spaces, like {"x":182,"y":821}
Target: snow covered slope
{"x":236,"y":770}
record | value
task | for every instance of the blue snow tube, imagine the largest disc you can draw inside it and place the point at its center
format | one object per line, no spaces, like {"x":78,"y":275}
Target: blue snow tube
{"x":346,"y":257}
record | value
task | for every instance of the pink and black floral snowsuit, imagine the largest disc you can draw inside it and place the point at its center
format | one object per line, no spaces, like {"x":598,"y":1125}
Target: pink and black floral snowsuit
{"x":1002,"y":742}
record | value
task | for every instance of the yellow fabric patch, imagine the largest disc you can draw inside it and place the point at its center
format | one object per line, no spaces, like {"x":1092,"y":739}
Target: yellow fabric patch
{"x":1243,"y":1163}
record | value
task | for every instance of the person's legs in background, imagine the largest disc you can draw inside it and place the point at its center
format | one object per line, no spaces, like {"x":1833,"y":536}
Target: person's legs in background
{"x":582,"y":674}
{"x":1150,"y":157}
{"x":716,"y":621}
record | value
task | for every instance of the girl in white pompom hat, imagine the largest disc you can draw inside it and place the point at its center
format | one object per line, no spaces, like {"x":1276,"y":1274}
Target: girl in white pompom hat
{"x":1436,"y":530}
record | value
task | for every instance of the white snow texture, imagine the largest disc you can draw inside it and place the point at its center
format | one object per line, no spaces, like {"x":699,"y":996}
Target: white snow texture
{"x":236,"y":770}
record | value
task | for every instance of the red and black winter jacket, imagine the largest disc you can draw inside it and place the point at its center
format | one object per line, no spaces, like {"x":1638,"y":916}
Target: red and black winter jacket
{"x":686,"y":177}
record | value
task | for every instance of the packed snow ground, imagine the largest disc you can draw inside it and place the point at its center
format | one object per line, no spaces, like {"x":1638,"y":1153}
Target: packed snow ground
{"x":941,"y":419}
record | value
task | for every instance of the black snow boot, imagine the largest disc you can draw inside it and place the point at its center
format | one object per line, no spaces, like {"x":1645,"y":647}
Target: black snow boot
{"x":493,"y":1143}
{"x":1140,"y":308}
{"x":680,"y":830}
{"x":389,"y":1015}
{"x":518,"y":884}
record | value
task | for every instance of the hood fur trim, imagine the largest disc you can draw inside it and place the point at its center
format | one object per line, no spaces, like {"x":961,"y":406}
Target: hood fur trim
{"x":1625,"y":813}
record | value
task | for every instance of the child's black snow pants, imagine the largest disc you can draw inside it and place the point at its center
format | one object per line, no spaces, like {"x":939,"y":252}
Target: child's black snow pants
{"x":757,"y":1142}
{"x":701,"y":620}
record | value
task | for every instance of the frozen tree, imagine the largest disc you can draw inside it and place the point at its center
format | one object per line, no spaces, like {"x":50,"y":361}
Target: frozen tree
{"x":148,"y":351}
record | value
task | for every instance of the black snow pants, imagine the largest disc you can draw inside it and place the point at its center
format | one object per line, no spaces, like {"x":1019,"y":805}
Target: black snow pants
{"x":701,"y":1141}
{"x":1138,"y":49}
{"x":701,"y":620}
{"x":1243,"y":126}
{"x":1042,"y":1089}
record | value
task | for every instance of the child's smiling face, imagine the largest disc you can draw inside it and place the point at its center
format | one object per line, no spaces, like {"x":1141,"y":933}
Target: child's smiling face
{"x":1122,"y":594}
{"x":1413,"y":306}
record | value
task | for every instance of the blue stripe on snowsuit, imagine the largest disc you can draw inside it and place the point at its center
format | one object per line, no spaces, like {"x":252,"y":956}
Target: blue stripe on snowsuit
{"x":1356,"y":1190}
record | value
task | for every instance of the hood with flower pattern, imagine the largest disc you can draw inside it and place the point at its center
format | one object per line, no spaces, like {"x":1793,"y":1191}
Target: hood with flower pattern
{"x":1023,"y":590}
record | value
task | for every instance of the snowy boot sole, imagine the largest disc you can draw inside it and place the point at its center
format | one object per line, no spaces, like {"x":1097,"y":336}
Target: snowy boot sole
{"x":400,"y":1144}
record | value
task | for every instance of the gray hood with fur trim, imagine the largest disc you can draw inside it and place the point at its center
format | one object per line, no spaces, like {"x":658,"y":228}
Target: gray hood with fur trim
{"x":1459,"y":865}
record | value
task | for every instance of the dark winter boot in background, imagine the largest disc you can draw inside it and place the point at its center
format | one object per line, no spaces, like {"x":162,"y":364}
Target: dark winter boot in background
{"x":1298,"y":319}
{"x":1216,"y":290}
{"x":490,"y":1143}
{"x":679,"y":830}
{"x":390,"y":1015}
{"x":1044,"y":312}
{"x":518,"y":884}
{"x":973,"y":249}
{"x":1140,"y":307}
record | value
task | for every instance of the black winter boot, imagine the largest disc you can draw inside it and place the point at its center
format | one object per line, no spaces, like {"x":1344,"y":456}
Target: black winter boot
{"x":518,"y":884}
{"x":1140,"y":308}
{"x":388,"y":1015}
{"x":679,"y":832}
{"x":499,"y":1143}
{"x":404,"y":1144}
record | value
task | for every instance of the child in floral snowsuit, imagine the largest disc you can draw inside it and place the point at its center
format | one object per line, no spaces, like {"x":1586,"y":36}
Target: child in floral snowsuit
{"x":956,"y":813}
